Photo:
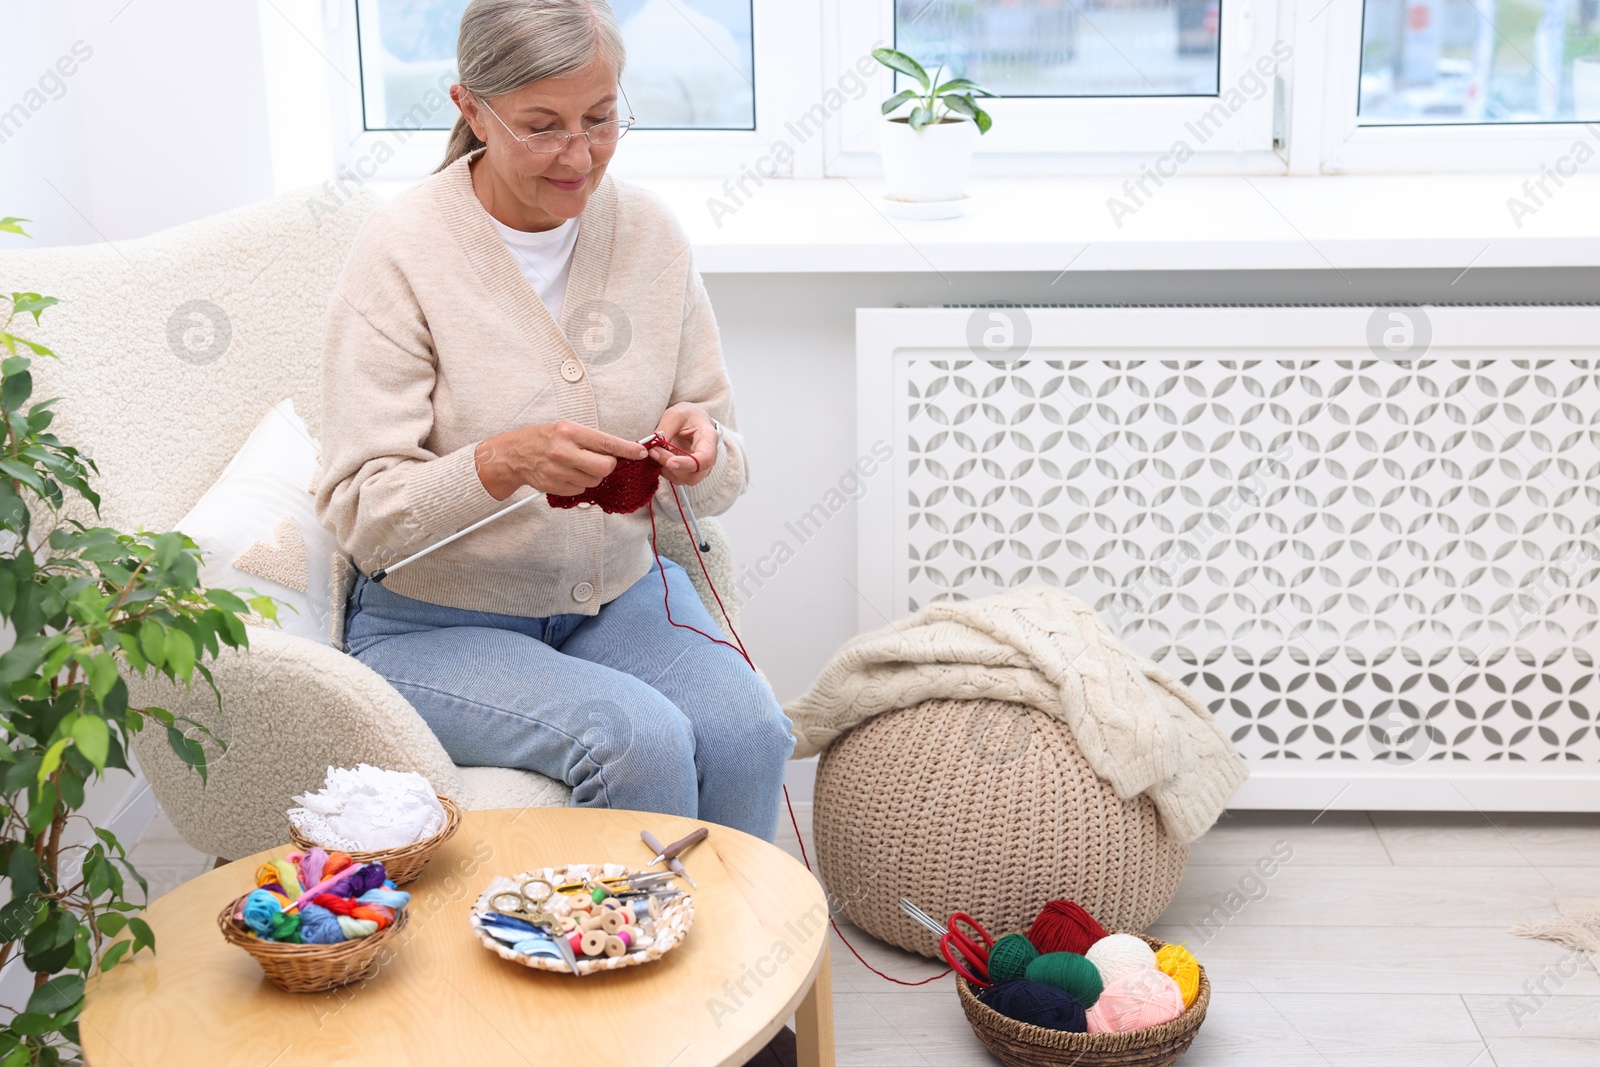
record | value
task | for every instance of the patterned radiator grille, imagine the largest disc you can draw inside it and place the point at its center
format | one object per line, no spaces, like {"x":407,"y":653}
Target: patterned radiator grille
{"x":1347,"y":559}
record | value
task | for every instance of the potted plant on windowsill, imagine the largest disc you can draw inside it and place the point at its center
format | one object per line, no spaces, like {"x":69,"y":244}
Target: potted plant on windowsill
{"x":927,"y":153}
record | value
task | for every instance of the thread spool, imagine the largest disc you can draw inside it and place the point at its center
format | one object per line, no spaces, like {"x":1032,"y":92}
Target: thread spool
{"x":594,"y":942}
{"x":592,"y":922}
{"x":615,"y":947}
{"x":610,"y":922}
{"x":626,"y":937}
{"x":575,"y":939}
{"x":599,"y":893}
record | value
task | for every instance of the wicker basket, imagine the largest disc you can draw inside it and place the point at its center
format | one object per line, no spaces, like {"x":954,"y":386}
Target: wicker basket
{"x":402,"y":864}
{"x":1018,"y":1044}
{"x":310,"y":968}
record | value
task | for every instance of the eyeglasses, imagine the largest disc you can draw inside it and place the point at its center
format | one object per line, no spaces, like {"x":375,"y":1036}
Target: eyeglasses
{"x":547,"y":142}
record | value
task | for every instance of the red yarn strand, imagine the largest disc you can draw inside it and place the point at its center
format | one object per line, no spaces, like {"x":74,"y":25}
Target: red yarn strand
{"x":739,"y":648}
{"x":831,"y":922}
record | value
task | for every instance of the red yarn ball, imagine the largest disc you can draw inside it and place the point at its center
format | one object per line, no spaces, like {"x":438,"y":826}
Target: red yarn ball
{"x":1063,"y":926}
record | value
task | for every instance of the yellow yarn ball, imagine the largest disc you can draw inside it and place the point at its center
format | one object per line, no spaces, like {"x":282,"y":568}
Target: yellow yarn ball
{"x":1179,"y":964}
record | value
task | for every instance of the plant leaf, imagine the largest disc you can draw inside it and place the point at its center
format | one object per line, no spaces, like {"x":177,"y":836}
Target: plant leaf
{"x":920,"y":117}
{"x":904,"y":64}
{"x":93,"y":738}
{"x":965,"y":84}
{"x":57,"y":995}
{"x":898,"y":98}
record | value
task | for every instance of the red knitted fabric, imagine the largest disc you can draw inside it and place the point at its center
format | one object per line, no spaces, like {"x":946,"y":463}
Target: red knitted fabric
{"x":627,"y":488}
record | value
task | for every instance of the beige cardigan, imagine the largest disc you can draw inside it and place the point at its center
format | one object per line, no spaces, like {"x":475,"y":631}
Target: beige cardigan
{"x":436,"y":341}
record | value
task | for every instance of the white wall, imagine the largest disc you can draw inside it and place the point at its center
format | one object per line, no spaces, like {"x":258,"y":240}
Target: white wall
{"x":162,"y":118}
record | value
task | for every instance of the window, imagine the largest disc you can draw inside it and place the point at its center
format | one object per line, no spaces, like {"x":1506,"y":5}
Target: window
{"x":1480,"y":61}
{"x":788,"y":87}
{"x":1063,"y":48}
{"x":691,"y":63}
{"x":1085,"y":84}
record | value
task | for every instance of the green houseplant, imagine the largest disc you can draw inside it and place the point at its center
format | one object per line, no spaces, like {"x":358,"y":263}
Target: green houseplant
{"x":927,"y":152}
{"x":86,"y":604}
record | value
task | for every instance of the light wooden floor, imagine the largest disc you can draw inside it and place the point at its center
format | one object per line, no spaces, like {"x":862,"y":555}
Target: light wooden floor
{"x":1382,"y":941}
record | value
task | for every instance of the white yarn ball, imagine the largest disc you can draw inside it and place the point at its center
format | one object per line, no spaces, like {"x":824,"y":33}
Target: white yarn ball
{"x":1116,"y":955}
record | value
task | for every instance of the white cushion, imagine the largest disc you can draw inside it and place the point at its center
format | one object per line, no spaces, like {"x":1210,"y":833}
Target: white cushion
{"x":257,"y":526}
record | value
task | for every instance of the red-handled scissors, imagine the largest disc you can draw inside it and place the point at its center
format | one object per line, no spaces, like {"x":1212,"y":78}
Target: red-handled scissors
{"x":965,"y":955}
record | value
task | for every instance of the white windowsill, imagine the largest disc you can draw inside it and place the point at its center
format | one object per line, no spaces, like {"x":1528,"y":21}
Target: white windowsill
{"x":1192,"y":223}
{"x":1198,"y":223}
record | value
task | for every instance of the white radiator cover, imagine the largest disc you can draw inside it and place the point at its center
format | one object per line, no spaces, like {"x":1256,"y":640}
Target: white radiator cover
{"x":1381,"y":574}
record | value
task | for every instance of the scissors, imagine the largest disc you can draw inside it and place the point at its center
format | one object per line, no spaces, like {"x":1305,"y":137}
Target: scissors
{"x":526,"y":904}
{"x":960,"y":951}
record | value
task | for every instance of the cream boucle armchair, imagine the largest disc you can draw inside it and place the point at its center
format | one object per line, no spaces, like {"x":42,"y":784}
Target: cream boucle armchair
{"x":162,"y":410}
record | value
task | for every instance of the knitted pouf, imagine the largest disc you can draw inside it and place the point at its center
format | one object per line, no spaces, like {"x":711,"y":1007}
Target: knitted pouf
{"x":985,"y":807}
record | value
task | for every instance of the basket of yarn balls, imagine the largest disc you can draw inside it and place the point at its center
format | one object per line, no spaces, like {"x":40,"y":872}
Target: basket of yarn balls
{"x":317,"y":920}
{"x":1068,"y":994}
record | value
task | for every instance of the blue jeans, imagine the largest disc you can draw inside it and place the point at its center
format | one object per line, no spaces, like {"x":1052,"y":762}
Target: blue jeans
{"x":628,"y":710}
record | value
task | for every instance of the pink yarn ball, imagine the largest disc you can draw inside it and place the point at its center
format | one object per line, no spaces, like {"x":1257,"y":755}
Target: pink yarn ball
{"x":1135,"y":1001}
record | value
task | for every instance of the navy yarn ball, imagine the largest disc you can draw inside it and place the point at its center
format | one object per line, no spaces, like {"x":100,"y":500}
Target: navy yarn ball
{"x":1037,"y":1004}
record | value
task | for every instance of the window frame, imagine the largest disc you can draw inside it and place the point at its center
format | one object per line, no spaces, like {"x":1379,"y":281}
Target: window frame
{"x":1306,"y":125}
{"x":1346,"y":146}
{"x":400,"y":155}
{"x":1078,"y":134}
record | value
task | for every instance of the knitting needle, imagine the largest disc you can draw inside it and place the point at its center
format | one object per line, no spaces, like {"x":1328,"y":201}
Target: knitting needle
{"x":383,"y":572}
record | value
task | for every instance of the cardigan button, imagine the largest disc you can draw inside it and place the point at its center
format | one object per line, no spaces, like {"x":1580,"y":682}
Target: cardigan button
{"x":572,"y":370}
{"x":582,"y":592}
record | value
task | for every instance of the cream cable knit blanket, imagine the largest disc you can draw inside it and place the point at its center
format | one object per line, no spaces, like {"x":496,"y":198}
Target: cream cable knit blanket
{"x":1138,"y":727}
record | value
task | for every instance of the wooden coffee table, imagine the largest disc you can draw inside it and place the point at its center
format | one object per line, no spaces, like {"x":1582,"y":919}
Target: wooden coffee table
{"x":757,"y":953}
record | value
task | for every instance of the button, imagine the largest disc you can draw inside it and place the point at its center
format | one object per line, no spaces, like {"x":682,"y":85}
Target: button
{"x":572,"y":370}
{"x":582,"y":592}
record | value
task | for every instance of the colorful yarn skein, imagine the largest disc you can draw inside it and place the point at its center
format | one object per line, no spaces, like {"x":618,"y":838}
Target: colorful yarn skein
{"x":1063,"y":926}
{"x":1068,"y":972}
{"x":321,"y":898}
{"x":1009,"y":958}
{"x":1037,"y":1005}
{"x":1116,"y":955}
{"x":1136,"y":1000}
{"x":1179,"y":964}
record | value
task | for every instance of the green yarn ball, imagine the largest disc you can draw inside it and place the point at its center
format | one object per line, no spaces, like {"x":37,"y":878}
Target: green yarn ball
{"x":1068,"y":972}
{"x":1009,"y":958}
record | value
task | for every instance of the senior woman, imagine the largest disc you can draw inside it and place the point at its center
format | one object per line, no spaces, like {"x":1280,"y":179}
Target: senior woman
{"x":462,"y":373}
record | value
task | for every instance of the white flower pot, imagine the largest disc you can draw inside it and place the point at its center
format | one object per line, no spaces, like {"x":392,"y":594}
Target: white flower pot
{"x":930,"y":165}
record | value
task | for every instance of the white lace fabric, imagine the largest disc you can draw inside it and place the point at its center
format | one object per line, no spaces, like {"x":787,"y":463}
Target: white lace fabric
{"x":368,"y":809}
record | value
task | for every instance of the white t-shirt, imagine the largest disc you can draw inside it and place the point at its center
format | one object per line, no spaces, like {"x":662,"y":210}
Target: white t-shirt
{"x":545,"y":259}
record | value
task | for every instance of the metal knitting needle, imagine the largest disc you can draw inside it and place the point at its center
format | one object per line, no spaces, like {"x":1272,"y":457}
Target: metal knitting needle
{"x":688,"y":509}
{"x":383,"y":572}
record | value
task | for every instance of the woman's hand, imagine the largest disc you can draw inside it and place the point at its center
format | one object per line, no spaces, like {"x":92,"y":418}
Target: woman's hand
{"x":561,"y":458}
{"x":690,"y":428}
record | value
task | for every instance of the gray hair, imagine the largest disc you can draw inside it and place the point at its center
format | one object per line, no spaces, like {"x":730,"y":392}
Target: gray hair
{"x":505,"y":44}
